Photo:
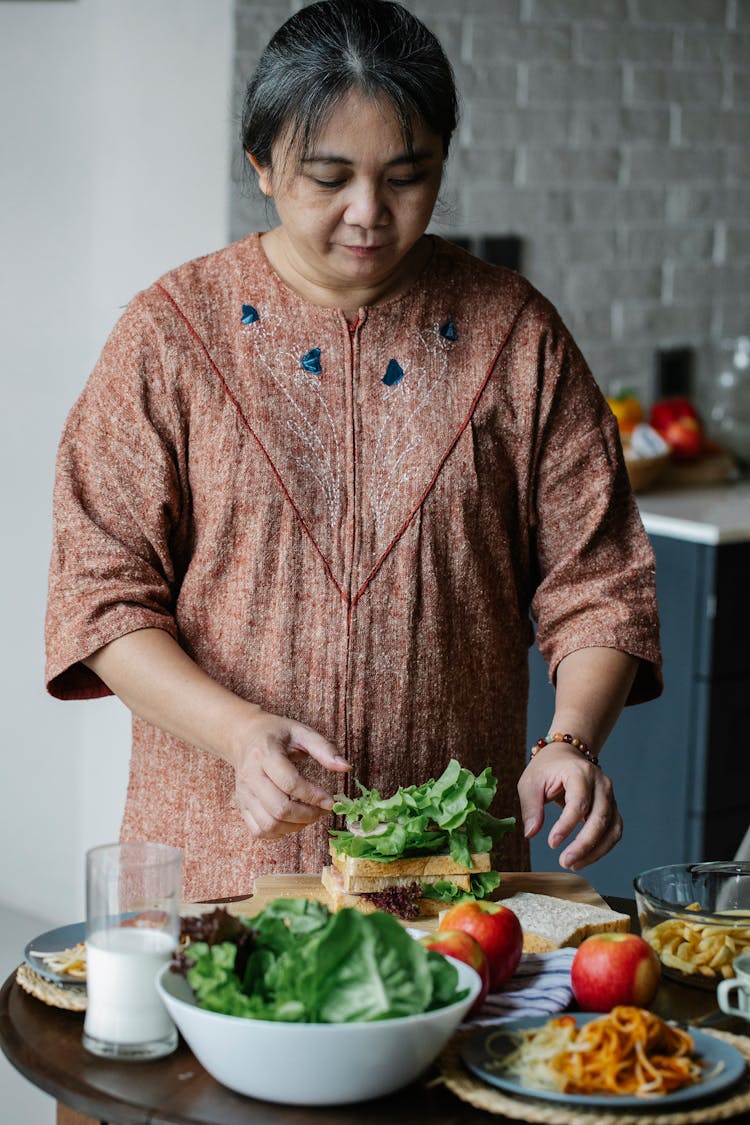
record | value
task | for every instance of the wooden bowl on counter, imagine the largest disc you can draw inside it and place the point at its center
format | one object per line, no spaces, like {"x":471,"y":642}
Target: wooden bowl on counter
{"x":644,"y":472}
{"x":713,"y":467}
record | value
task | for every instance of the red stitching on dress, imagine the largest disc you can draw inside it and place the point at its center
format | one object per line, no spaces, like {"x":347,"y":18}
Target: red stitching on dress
{"x":194,"y":332}
{"x":441,"y":462}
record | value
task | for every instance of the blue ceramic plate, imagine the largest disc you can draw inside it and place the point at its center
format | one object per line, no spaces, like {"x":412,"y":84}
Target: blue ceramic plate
{"x":710,"y":1050}
{"x":64,"y":937}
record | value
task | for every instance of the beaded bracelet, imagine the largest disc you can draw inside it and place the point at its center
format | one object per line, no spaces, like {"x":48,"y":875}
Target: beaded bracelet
{"x":580,"y":746}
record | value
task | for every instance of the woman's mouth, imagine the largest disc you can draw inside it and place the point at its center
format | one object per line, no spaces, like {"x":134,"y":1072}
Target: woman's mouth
{"x":364,"y":251}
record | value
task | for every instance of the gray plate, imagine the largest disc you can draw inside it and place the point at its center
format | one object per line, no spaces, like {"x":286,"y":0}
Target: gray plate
{"x":710,"y":1050}
{"x":64,"y":937}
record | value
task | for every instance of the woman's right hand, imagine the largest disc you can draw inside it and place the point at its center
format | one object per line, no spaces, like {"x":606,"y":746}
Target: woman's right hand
{"x":271,"y":794}
{"x":158,"y":681}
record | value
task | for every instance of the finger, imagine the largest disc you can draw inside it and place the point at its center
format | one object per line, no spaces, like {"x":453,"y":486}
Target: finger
{"x":280,"y":771}
{"x":531,"y":797}
{"x":545,"y":778}
{"x":575,"y":810}
{"x":265,"y":825}
{"x":252,"y":824}
{"x":269,"y":804}
{"x":601,"y":830}
{"x":279,"y":828}
{"x":308,"y":741}
{"x":574,"y":858}
{"x":585,"y":790}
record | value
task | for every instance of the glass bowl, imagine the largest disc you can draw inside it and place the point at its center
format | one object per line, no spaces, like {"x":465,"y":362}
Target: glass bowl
{"x":697,"y":918}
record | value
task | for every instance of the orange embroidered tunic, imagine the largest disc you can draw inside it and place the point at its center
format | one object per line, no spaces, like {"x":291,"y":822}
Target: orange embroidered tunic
{"x":348,"y":528}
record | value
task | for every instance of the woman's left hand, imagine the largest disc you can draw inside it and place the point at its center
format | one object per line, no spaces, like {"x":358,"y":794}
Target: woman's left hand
{"x":560,"y":773}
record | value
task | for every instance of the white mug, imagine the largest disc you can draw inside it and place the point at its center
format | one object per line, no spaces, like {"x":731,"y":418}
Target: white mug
{"x":741,"y":985}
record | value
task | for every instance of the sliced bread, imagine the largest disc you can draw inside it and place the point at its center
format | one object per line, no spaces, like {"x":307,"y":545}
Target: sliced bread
{"x":357,"y":884}
{"x":339,"y":898}
{"x":550,"y":923}
{"x":416,"y":866}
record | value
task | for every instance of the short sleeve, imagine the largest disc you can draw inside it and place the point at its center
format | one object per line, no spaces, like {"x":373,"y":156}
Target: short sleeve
{"x":596,"y":572}
{"x":119,"y":507}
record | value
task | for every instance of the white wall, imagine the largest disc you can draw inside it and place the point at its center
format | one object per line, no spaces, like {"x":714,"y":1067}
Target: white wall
{"x":116,"y":127}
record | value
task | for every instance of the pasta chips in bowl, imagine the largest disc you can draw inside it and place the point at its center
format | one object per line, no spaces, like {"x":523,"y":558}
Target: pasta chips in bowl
{"x":696,"y":916}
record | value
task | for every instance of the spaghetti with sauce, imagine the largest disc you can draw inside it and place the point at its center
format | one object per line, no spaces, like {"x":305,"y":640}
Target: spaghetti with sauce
{"x":629,"y":1051}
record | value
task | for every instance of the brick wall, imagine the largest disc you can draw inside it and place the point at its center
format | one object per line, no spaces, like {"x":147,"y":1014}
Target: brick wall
{"x":612,"y":137}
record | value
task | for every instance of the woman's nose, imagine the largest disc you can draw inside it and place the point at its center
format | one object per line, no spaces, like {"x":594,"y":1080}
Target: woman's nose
{"x":366,"y":207}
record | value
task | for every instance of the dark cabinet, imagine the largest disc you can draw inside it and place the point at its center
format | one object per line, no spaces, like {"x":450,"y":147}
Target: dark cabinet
{"x":680,"y":764}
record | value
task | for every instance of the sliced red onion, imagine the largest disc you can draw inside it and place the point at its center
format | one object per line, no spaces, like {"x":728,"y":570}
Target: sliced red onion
{"x":356,"y":829}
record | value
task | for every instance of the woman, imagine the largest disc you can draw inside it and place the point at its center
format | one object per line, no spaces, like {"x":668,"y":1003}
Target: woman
{"x":319,"y":479}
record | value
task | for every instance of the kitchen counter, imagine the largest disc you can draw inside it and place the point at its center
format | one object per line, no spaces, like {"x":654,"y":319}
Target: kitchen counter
{"x":693,"y":803}
{"x":712,"y":514}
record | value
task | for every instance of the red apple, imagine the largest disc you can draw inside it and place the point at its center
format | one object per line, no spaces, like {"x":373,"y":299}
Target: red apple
{"x":684,"y":438}
{"x":679,"y":423}
{"x":497,"y":930}
{"x":666,"y":410}
{"x":611,"y":969}
{"x":462,"y":946}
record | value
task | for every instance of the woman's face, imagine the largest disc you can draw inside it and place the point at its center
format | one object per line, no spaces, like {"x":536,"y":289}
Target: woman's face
{"x":354,"y":205}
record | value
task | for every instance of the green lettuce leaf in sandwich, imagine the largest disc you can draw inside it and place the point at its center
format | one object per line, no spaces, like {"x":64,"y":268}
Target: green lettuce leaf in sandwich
{"x":420,"y":850}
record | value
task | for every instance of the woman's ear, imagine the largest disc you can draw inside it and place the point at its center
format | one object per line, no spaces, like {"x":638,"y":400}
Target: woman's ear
{"x":264,"y":174}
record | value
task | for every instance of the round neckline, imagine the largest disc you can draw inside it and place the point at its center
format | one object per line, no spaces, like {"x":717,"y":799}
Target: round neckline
{"x":363,"y":311}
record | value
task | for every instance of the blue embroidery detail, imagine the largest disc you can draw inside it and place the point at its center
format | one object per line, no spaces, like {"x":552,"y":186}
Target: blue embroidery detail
{"x":249,"y":314}
{"x":311,"y":361}
{"x":394,"y":373}
{"x":449,"y":331}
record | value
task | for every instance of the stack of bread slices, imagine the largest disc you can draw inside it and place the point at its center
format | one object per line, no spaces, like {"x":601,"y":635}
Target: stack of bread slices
{"x":368,"y":884}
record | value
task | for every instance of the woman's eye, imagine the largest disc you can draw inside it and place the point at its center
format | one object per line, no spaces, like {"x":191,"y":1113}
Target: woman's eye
{"x":407,"y":181}
{"x":416,"y":179}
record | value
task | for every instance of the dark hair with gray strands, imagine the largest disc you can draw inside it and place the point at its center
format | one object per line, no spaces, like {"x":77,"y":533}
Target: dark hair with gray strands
{"x":332,"y":47}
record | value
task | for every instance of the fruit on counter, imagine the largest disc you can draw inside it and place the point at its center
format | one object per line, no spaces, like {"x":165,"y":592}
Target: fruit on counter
{"x":645,"y":442}
{"x":612,"y":969}
{"x":627,"y":410}
{"x":462,"y":946}
{"x":497,"y":930}
{"x":679,"y":423}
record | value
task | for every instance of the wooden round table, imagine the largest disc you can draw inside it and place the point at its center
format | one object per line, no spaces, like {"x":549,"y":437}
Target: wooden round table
{"x":44,"y":1045}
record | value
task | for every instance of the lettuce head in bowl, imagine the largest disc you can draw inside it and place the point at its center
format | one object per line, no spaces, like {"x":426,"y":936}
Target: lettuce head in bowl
{"x":306,"y":1007}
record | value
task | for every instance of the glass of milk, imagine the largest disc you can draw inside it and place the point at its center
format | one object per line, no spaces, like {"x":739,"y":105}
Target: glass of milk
{"x":133,"y":896}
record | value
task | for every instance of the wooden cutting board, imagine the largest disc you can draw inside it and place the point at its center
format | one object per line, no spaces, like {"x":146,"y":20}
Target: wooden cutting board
{"x":561,"y":884}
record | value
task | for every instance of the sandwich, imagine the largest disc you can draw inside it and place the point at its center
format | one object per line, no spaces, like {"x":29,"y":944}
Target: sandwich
{"x":419,"y":851}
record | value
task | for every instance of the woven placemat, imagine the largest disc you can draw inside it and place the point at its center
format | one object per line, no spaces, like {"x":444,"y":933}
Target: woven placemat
{"x":69,"y":996}
{"x":483,"y":1096}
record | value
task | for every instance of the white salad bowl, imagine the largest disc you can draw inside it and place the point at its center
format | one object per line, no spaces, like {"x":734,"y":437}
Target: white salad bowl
{"x":314,"y":1063}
